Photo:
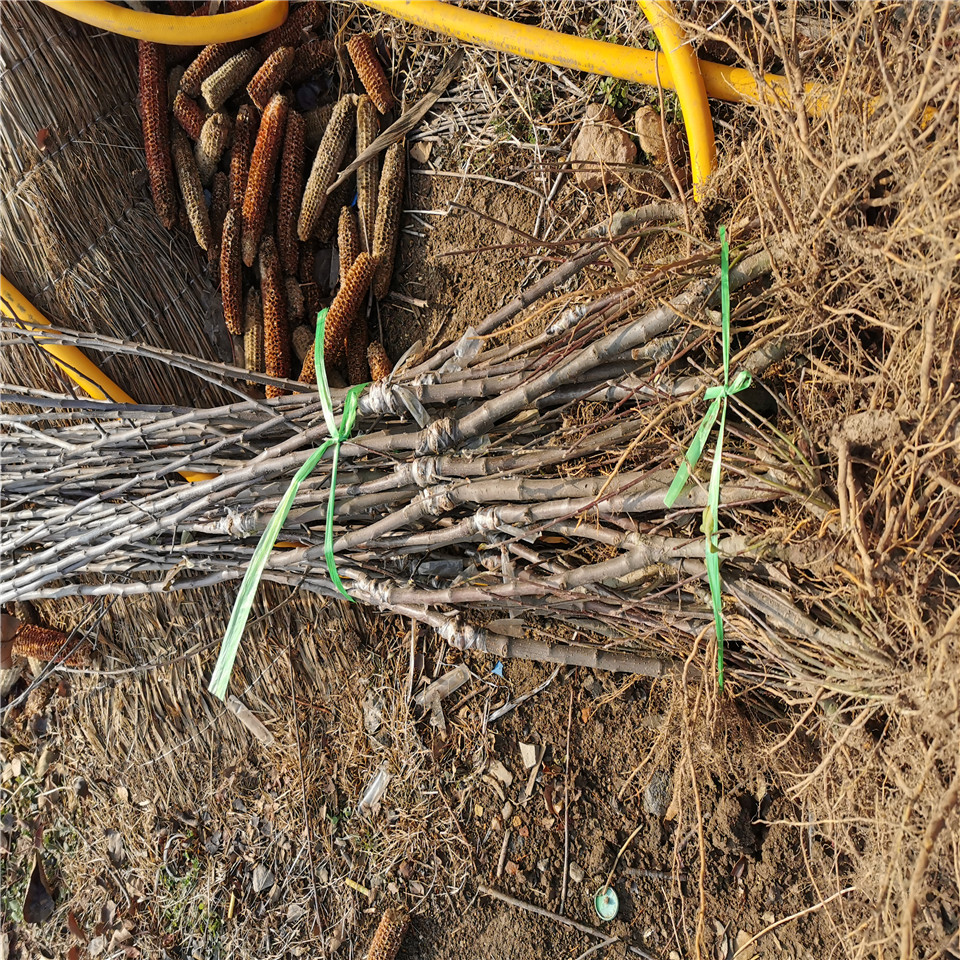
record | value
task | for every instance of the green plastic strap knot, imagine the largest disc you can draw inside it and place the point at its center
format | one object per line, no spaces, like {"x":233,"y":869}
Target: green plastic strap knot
{"x":718,"y":395}
{"x":251,"y":580}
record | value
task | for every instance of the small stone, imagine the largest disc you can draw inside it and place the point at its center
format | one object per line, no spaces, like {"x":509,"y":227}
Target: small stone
{"x":576,"y":873}
{"x":543,"y":864}
{"x":528,"y":754}
{"x":650,"y":130}
{"x":501,"y":773}
{"x":656,"y":795}
{"x":420,"y":151}
{"x":601,"y":149}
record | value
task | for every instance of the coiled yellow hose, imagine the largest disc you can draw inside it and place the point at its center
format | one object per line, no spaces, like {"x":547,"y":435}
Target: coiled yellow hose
{"x":186,"y":31}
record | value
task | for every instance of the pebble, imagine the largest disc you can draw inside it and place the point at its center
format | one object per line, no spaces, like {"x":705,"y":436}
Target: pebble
{"x":576,"y":873}
{"x":602,"y":141}
{"x":647,"y":123}
{"x":656,"y":795}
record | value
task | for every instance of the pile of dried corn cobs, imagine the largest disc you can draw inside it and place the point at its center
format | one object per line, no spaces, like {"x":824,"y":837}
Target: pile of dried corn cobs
{"x":253,"y":173}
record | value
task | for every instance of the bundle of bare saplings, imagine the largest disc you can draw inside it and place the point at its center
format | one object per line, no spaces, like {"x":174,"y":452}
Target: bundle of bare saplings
{"x":511,"y":495}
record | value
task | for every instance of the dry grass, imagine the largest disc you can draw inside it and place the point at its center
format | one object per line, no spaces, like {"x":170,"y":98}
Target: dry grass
{"x":866,"y":311}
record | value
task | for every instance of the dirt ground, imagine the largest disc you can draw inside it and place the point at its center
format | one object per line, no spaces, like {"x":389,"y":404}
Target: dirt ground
{"x":191,"y":837}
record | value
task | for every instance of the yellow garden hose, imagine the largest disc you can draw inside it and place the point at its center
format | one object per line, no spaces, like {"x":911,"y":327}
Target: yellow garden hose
{"x":72,"y":361}
{"x":186,"y":31}
{"x":691,"y":91}
{"x":593,"y":56}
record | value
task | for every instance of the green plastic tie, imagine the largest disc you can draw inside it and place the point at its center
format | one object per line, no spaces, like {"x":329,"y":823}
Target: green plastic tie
{"x":251,"y":580}
{"x":718,"y":395}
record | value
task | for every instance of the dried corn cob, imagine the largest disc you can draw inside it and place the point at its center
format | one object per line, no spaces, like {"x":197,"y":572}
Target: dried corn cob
{"x":380,"y":365}
{"x":308,"y":262}
{"x":267,"y":80}
{"x":356,"y":346}
{"x":211,"y":145}
{"x":370,"y":71}
{"x":174,"y":76}
{"x":227,"y":79}
{"x":208,"y":60}
{"x":291,"y":190}
{"x":45,"y":644}
{"x":260,"y":181}
{"x":330,"y":154}
{"x":189,"y":114}
{"x":156,"y":130}
{"x":25,"y":612}
{"x":389,"y":936}
{"x":315,"y":124}
{"x":348,"y":240}
{"x":307,"y":15}
{"x":308,"y":283}
{"x":253,"y":334}
{"x":348,"y":243}
{"x":389,"y":206}
{"x":244,"y":134}
{"x":302,"y":340}
{"x":276,"y":331}
{"x":295,"y":301}
{"x":310,"y":59}
{"x":219,"y":205}
{"x":308,"y":369}
{"x":368,"y":175}
{"x":347,"y":302}
{"x":231,"y":270}
{"x":191,"y":189}
{"x":330,"y":218}
{"x":37,"y":699}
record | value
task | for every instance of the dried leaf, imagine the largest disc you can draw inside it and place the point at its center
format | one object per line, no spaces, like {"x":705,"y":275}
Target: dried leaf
{"x":108,"y":914}
{"x":262,"y":878}
{"x":38,"y":902}
{"x":115,"y":849}
{"x":73,"y":925}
